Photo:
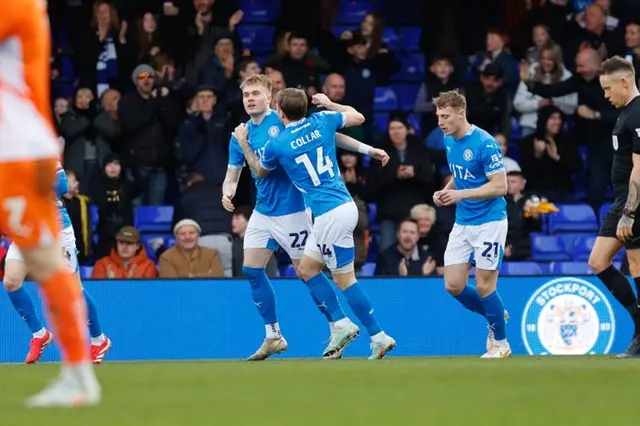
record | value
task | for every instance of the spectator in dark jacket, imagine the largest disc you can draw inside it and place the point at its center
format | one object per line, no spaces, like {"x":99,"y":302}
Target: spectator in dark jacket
{"x":406,"y":180}
{"x":489,"y":104}
{"x":200,"y":201}
{"x":406,"y":258}
{"x":86,"y":132}
{"x":203,"y":139}
{"x":520,"y":227}
{"x":79,"y":211}
{"x":148,"y":118}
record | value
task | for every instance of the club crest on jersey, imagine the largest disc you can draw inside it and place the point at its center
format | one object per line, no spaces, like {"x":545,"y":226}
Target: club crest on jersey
{"x":568,"y":316}
{"x":274,"y":131}
{"x":615,"y":142}
{"x":467,"y":155}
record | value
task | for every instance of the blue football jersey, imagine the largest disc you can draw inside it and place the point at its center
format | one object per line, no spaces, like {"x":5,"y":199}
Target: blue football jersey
{"x":276,"y":195}
{"x":62,"y":187}
{"x":472,"y":159}
{"x":306,"y":150}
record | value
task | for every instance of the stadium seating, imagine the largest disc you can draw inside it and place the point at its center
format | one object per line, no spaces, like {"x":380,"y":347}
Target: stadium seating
{"x":153,"y":241}
{"x":257,"y":38}
{"x":582,"y":247}
{"x":410,"y":37}
{"x":368,"y":269}
{"x":153,"y":218}
{"x":352,"y":12}
{"x":94,"y":216}
{"x":573,"y":218}
{"x":260,"y":11}
{"x":570,"y":268}
{"x":603,"y":211}
{"x":412,"y":68}
{"x":385,"y":99}
{"x":520,"y":268}
{"x":86,"y":271}
{"x":548,"y":248}
{"x":391,"y":39}
{"x":406,"y":94}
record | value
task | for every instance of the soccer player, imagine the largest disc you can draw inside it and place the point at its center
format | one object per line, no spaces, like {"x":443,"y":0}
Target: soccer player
{"x":480,"y":231}
{"x":306,"y":151}
{"x":279,"y":220}
{"x":619,"y":228}
{"x":14,"y":279}
{"x":28,"y":157}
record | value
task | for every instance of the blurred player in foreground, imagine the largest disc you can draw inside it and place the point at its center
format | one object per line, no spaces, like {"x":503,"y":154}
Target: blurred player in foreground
{"x":306,"y":150}
{"x":480,"y":231}
{"x":279,"y":220}
{"x":14,"y":279}
{"x":28,"y":158}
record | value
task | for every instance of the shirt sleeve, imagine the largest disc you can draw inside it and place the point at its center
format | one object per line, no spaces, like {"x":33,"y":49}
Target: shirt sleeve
{"x":269,"y":157}
{"x":236,"y":156}
{"x":62,"y":186}
{"x":491,"y":157}
{"x":633,"y":125}
{"x":332,"y":119}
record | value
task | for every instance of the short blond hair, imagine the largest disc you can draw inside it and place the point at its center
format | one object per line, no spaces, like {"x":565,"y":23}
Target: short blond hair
{"x":421,"y":210}
{"x":452,"y":99}
{"x":258,"y":79}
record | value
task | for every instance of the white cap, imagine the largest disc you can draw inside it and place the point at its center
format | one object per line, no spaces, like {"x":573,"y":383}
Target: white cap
{"x":185,"y":222}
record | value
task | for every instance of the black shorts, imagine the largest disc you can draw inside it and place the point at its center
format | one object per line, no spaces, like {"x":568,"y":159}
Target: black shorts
{"x":610,"y":223}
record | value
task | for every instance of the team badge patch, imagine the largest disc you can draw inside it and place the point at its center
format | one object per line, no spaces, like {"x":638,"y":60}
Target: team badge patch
{"x":467,"y":155}
{"x":274,"y":131}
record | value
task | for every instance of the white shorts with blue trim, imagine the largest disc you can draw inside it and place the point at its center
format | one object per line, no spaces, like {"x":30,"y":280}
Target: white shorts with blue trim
{"x":482,"y":245}
{"x":291,"y":232}
{"x":69,"y":251}
{"x":331,"y":241}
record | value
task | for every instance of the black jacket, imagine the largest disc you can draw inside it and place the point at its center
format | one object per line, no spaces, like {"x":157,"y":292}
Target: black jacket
{"x":201,"y":202}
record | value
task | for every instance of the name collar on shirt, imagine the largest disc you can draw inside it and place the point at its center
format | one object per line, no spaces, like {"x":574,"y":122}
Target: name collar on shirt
{"x":295,"y":123}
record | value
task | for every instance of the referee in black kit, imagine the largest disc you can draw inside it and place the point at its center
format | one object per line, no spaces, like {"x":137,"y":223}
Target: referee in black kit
{"x":619,"y":228}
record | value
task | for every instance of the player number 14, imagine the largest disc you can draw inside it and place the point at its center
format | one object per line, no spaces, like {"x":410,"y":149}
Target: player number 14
{"x":324,"y":165}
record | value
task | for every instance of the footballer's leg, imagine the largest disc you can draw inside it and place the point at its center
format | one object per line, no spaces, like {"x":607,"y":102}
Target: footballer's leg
{"x":633,"y":255}
{"x":15,"y":273}
{"x":29,"y":216}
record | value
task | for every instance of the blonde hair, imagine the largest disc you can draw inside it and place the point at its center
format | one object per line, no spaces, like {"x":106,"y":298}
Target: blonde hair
{"x":421,"y":210}
{"x":452,"y":99}
{"x":258,"y":79}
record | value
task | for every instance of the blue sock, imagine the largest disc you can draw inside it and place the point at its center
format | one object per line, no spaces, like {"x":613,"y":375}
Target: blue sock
{"x":470,"y":299}
{"x":23,"y":303}
{"x":94,"y":322}
{"x":262,"y":292}
{"x":495,"y":314}
{"x":326,"y":299}
{"x":361,"y":306}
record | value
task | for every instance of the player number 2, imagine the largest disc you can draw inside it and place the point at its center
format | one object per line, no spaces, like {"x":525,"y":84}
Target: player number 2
{"x":299,"y":239}
{"x":324,"y":165}
{"x":489,"y":247}
{"x":16,"y":207}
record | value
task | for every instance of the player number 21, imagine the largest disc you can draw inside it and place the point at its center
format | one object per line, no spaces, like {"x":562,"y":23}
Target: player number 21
{"x":324,"y":165}
{"x":489,"y":246}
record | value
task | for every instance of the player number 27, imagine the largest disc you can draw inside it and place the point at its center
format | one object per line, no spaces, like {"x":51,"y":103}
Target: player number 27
{"x":324,"y":165}
{"x":299,"y":239}
{"x":489,"y":246}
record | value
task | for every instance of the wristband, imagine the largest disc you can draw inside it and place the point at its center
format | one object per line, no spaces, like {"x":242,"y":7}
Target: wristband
{"x":363,"y":148}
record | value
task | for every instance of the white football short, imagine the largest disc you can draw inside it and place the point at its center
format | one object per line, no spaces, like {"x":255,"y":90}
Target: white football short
{"x":331,"y":241}
{"x":68,"y":242}
{"x":480,"y":244}
{"x":291,"y":232}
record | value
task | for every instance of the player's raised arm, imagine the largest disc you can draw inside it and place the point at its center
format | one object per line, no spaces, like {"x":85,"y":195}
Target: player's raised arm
{"x":352,"y":116}
{"x":62,"y":185}
{"x":252,"y":159}
{"x":354,"y":145}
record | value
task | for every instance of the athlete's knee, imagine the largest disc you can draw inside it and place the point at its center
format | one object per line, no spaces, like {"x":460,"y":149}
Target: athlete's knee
{"x":455,"y":279}
{"x":12,"y":284}
{"x":308,"y":268}
{"x":599,"y":263}
{"x":486,"y":282}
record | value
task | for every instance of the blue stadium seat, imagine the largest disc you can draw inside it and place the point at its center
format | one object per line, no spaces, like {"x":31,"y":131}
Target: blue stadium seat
{"x":368,"y":269}
{"x":411,"y":38}
{"x":391,"y":39}
{"x":381,"y":119}
{"x":86,"y":271}
{"x":352,"y":11}
{"x":573,"y":218}
{"x":582,"y":247}
{"x":603,"y":211}
{"x":412,"y":68}
{"x":260,"y":11}
{"x":94,"y":216}
{"x":385,"y":99}
{"x":570,"y":268}
{"x":373,"y":210}
{"x":548,"y":248}
{"x":289,"y":271}
{"x":414,"y":120}
{"x":520,"y":268}
{"x":257,"y":38}
{"x":568,"y":239}
{"x":154,"y":218}
{"x":337,"y":30}
{"x":406,"y":95}
{"x":149,"y":241}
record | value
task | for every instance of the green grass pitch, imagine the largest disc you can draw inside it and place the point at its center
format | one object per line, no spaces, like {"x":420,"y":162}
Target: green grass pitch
{"x":520,"y":391}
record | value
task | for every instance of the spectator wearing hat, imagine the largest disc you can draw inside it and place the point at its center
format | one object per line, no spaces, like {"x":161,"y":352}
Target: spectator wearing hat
{"x":406,"y":180}
{"x":113,"y":196}
{"x":127,"y":260}
{"x":203,"y":139}
{"x":148,"y":119}
{"x":187,"y":259}
{"x":488,"y":103}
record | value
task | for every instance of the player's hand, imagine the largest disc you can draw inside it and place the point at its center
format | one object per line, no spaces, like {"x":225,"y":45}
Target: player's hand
{"x":380,"y":155}
{"x":428,"y":266}
{"x":586,"y":112}
{"x":402,"y":268}
{"x":321,"y":100}
{"x":436,"y":199}
{"x":241,"y":132}
{"x":227,"y":202}
{"x":449,"y":197}
{"x":625,"y":229}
